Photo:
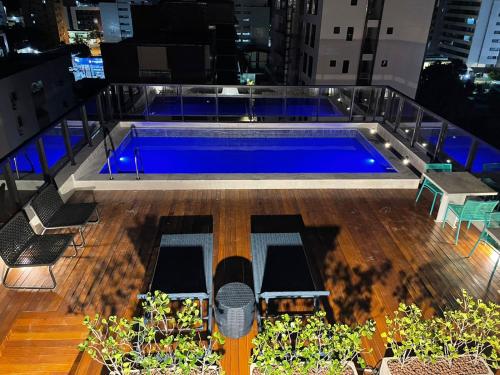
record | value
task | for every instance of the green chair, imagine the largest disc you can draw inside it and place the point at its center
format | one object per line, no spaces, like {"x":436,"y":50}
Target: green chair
{"x":470,"y":211}
{"x":491,"y":221}
{"x":427,"y":184}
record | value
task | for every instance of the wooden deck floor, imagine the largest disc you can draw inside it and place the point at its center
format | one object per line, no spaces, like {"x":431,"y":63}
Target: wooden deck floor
{"x":372,"y":249}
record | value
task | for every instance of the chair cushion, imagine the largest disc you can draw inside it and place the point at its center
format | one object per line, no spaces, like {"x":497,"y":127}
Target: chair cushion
{"x":72,"y":215}
{"x":43,"y":250}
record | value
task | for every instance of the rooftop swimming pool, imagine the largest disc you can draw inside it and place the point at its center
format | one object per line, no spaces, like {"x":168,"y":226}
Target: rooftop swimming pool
{"x":202,"y":151}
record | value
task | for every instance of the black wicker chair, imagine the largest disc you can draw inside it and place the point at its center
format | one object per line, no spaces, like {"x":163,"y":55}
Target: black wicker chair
{"x":20,"y":247}
{"x":55,"y":214}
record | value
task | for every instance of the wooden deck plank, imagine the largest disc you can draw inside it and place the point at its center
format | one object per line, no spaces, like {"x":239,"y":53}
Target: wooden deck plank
{"x":371,"y":248}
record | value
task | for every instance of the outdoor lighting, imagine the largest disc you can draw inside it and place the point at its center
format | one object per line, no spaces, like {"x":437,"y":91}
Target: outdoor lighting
{"x":339,"y":100}
{"x":370,"y":161}
{"x":373,"y":131}
{"x":448,"y":161}
{"x":407,"y":130}
{"x":387,"y":144}
{"x":424,"y":144}
{"x":348,"y":108}
{"x":123,"y":159}
{"x":406,"y":161}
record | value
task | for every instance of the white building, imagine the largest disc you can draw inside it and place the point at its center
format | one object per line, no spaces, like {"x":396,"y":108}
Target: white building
{"x":116,"y":21}
{"x":348,"y":42}
{"x":485,"y":46}
{"x":469,"y":31}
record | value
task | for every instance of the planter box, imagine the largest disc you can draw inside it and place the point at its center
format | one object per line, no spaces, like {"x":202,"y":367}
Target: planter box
{"x":349,"y":365}
{"x":384,"y":367}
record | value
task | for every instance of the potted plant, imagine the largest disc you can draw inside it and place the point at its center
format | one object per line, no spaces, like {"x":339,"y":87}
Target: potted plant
{"x":159,"y":342}
{"x":461,"y":341}
{"x":287,"y":346}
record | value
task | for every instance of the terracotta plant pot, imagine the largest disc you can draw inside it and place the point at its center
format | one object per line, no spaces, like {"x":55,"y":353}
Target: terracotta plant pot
{"x":349,"y":365}
{"x":385,"y":370}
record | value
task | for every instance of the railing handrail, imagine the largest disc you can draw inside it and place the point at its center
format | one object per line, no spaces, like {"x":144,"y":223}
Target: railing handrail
{"x":399,"y":93}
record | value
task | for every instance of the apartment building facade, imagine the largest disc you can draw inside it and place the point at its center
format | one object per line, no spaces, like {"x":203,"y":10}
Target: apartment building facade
{"x":364,"y":42}
{"x":467,"y":30}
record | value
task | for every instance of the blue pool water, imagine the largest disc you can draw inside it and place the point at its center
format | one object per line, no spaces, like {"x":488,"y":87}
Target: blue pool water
{"x":196,"y":106}
{"x":27,"y":158}
{"x":248,"y":152}
{"x":458,"y":147}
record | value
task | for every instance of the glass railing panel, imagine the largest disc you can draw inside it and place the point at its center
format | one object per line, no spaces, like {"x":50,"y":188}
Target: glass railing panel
{"x":456,"y":145}
{"x":164,"y":102}
{"x":304,"y":103}
{"x":486,"y":159}
{"x":268,"y":102}
{"x":382,"y":105}
{"x":75,"y":129}
{"x":233,"y":102}
{"x":25,"y":162}
{"x":55,"y":149}
{"x":91,"y":109}
{"x":393,"y":107}
{"x":408,"y":120}
{"x":364,"y":99}
{"x":133,"y":101}
{"x":335,"y":104}
{"x":428,"y":135}
{"x":199,"y":101}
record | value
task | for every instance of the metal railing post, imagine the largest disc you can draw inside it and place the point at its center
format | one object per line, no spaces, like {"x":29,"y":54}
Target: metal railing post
{"x":67,"y":141}
{"x":109,"y":102}
{"x":397,"y":121}
{"x":119,"y":96}
{"x":318,"y":104}
{"x":85,"y":125}
{"x":284,"y":95}
{"x":145,"y":88}
{"x":179,"y":88}
{"x":11,"y":183}
{"x":418,"y":124}
{"x":100,"y":112}
{"x":217,"y":103}
{"x":439,"y":144}
{"x":472,"y":155}
{"x":43,"y":160}
{"x":388,"y":104}
{"x":353,"y":96}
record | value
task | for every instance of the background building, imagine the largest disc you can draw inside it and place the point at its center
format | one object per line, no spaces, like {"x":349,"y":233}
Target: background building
{"x":252,"y":28}
{"x":85,"y":17}
{"x":49,"y":19}
{"x":176,"y":41}
{"x":348,"y":42}
{"x":34,"y":91}
{"x":285,"y":41}
{"x":467,"y":30}
{"x":117,"y":20}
